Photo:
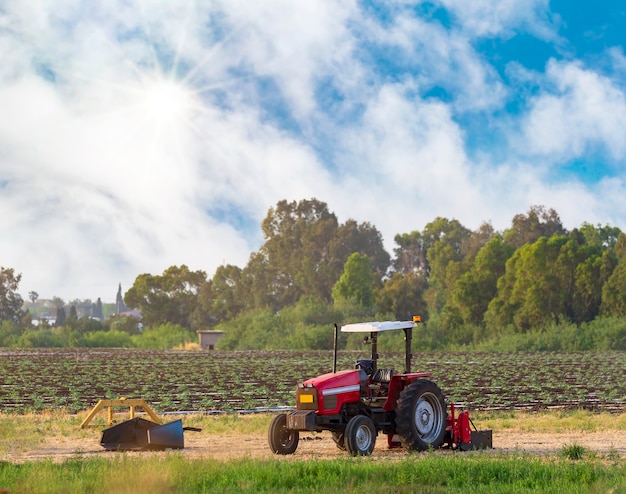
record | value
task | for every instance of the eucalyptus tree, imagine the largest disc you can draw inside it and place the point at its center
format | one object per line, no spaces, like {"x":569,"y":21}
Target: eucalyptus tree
{"x":403,"y":295}
{"x":591,"y":276}
{"x":10,"y":301}
{"x":363,"y":238}
{"x":614,"y":290}
{"x":554,"y":279}
{"x":604,"y":236}
{"x":293,"y":256}
{"x":614,"y":293}
{"x":304,"y":253}
{"x":410,"y":254}
{"x":168,"y":298}
{"x":224,"y":296}
{"x":475,"y":289}
{"x":538,"y":222}
{"x":357,"y":282}
{"x":445,"y":256}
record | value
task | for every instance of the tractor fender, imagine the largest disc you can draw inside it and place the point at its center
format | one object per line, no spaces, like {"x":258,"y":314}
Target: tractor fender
{"x":397,"y":384}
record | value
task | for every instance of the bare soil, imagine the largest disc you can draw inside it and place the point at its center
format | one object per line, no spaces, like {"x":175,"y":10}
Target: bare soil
{"x":225,"y":447}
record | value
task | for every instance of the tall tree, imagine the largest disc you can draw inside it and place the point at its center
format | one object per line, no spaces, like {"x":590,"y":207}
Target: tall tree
{"x":591,"y":275}
{"x":445,"y":254}
{"x":603,"y":236}
{"x":226,"y":294}
{"x":168,"y":298}
{"x":476,"y":240}
{"x":357,"y":281}
{"x":403,"y":295}
{"x":297,"y":236}
{"x":97,"y":310}
{"x":475,"y":289}
{"x":410,"y":255}
{"x":614,"y":292}
{"x":538,"y":222}
{"x":363,"y":238}
{"x":537,"y":285}
{"x":60,"y":316}
{"x":10,"y":301}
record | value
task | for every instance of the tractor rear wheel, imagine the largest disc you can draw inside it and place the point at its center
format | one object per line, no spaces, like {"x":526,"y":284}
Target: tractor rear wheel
{"x":282,"y":441}
{"x":421,"y":416}
{"x":338,"y":439}
{"x":360,"y":436}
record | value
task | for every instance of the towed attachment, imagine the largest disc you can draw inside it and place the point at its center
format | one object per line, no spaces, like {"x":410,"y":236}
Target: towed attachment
{"x":138,"y":434}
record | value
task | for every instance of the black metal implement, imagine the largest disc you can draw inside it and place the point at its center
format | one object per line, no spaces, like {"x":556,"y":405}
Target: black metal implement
{"x":138,"y":434}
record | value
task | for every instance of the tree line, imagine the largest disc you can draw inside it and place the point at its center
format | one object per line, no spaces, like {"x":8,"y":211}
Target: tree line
{"x":534,"y":284}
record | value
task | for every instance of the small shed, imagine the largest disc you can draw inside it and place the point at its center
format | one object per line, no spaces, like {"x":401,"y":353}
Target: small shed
{"x":208,"y":338}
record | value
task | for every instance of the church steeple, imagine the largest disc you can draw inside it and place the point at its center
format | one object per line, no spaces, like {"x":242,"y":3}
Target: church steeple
{"x":120,"y":306}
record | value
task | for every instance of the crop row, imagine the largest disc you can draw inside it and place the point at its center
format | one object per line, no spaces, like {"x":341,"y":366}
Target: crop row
{"x":247,"y":380}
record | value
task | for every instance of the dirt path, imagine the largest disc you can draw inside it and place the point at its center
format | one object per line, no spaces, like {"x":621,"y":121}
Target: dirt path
{"x":224,"y":447}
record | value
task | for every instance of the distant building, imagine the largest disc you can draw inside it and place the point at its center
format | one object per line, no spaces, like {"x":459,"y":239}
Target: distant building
{"x":120,"y":306}
{"x":208,"y":338}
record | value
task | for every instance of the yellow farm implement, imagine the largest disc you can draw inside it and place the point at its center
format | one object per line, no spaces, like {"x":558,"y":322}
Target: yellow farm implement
{"x":131,"y":403}
{"x":136,"y":433}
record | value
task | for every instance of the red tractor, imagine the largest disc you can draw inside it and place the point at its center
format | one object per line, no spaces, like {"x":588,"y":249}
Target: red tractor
{"x":356,"y":404}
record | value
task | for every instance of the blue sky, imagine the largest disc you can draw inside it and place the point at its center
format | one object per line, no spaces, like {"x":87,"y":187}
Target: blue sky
{"x":135,"y":135}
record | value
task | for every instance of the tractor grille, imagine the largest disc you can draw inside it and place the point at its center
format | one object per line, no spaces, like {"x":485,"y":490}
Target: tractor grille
{"x":306,"y":399}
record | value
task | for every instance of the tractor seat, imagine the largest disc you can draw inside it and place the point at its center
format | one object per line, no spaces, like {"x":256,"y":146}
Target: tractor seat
{"x":382,"y":376}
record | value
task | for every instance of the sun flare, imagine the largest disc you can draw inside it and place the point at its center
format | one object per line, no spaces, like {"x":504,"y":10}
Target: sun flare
{"x":166,"y":102}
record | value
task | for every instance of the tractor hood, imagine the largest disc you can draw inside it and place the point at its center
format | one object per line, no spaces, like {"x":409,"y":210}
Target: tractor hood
{"x":328,"y":392}
{"x":334,"y":380}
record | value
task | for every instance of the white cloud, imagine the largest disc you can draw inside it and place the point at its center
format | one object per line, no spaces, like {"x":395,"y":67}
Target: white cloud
{"x":405,"y":165}
{"x":294,"y":43}
{"x":485,"y":18}
{"x":439,"y":58}
{"x":135,"y":135}
{"x":578,"y":109}
{"x":114,"y":184}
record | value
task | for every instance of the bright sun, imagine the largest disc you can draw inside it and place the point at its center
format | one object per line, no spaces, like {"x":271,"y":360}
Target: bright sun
{"x":166,"y":102}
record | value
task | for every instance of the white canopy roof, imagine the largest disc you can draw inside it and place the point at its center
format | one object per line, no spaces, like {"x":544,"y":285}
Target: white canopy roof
{"x":375,"y":327}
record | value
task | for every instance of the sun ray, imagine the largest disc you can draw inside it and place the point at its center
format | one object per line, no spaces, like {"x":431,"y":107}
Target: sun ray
{"x":159,"y":99}
{"x":191,"y":73}
{"x":182,"y":39}
{"x":217,"y":85}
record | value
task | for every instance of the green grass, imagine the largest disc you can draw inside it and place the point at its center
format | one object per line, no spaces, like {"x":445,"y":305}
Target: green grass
{"x":573,"y":451}
{"x":573,"y":469}
{"x":427,"y":472}
{"x":550,"y":421}
{"x":23,"y":432}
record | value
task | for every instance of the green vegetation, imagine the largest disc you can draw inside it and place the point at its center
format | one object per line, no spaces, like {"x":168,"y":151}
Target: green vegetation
{"x":172,"y":380}
{"x":428,"y":472}
{"x":533,"y":286}
{"x":573,"y":451}
{"x":573,"y":468}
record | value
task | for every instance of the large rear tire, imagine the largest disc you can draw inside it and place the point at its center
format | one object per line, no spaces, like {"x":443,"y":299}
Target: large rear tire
{"x":360,"y":436}
{"x":338,"y":440}
{"x":282,"y":441}
{"x":421,"y":416}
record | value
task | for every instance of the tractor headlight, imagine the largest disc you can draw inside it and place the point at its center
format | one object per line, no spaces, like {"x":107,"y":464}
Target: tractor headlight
{"x":306,"y":398}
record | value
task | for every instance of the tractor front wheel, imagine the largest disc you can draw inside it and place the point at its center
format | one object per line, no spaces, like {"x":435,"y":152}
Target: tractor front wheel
{"x":421,"y":416}
{"x":282,"y":441}
{"x":360,"y":436}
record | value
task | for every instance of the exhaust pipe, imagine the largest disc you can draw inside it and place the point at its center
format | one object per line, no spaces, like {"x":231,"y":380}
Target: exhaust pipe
{"x":335,"y":348}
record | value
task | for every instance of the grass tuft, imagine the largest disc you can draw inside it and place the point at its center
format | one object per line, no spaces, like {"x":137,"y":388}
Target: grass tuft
{"x":573,"y":451}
